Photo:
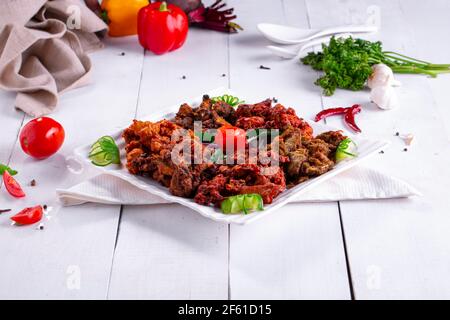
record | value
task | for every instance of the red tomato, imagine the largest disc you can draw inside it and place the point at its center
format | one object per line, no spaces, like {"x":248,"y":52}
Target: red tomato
{"x":12,"y":185}
{"x":28,"y":215}
{"x":230,"y":136}
{"x":42,"y":137}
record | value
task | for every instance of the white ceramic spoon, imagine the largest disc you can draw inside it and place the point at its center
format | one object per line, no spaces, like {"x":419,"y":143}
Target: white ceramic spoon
{"x":289,"y":53}
{"x":290,"y":35}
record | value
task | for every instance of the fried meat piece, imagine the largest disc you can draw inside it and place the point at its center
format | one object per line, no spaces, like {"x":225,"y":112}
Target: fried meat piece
{"x":225,"y":111}
{"x":277,"y":117}
{"x":185,"y":117}
{"x":181,"y":183}
{"x":269,"y":186}
{"x":290,"y":140}
{"x":248,"y":123}
{"x":296,"y":160}
{"x":241,"y":179}
{"x":150,"y":146}
{"x":212,"y":114}
{"x":333,"y":138}
{"x":260,"y":109}
{"x":317,"y":165}
{"x":308,"y":157}
{"x":210,"y":191}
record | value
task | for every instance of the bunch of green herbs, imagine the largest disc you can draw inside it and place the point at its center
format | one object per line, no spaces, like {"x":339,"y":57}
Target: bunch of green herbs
{"x":347,"y":63}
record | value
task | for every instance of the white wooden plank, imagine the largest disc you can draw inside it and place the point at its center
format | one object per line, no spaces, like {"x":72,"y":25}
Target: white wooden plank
{"x":397,"y":248}
{"x":72,"y":256}
{"x":169,"y":252}
{"x":298,"y":253}
{"x":10,"y":121}
{"x":429,"y":26}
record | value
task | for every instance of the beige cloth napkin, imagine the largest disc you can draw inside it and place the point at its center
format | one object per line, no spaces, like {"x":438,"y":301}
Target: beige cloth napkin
{"x":43,"y":46}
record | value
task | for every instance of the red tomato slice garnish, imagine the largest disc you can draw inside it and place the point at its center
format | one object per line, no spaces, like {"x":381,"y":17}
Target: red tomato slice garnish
{"x":12,"y":186}
{"x":28,"y":215}
{"x":230,"y":135}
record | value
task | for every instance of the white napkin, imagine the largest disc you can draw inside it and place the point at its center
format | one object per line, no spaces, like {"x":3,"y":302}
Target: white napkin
{"x":359,"y":183}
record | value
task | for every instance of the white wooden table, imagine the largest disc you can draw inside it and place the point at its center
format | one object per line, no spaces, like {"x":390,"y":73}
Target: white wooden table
{"x":345,"y":250}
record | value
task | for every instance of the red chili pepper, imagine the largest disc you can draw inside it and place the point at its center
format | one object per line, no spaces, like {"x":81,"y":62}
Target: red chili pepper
{"x":162,"y":27}
{"x":28,"y":215}
{"x":329,"y":112}
{"x":350,"y":117}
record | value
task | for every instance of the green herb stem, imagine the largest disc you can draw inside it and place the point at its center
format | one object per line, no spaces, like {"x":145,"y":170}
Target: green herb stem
{"x":390,"y":53}
{"x":347,"y":63}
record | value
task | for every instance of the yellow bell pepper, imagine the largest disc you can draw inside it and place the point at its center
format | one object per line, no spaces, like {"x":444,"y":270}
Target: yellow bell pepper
{"x":121,"y":16}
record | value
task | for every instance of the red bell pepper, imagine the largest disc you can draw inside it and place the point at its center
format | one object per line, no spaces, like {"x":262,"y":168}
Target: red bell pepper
{"x":162,"y":27}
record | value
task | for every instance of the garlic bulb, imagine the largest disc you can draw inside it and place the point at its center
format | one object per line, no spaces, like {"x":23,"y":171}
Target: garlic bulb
{"x":384,"y":97}
{"x":381,"y":75}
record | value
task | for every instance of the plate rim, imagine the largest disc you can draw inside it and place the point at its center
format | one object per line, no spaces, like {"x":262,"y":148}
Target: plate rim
{"x":241,"y":219}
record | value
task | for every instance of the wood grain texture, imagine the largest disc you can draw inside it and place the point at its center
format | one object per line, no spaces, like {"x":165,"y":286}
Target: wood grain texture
{"x":72,"y":256}
{"x":433,"y":44}
{"x":10,"y":122}
{"x":397,"y":249}
{"x":295,"y":254}
{"x":280,"y":257}
{"x":169,"y":252}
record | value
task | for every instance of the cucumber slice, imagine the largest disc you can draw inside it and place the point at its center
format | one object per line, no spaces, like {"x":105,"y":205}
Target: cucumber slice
{"x":104,"y":152}
{"x":101,"y":163}
{"x":232,"y":205}
{"x":346,"y":149}
{"x":253,"y":202}
{"x":242,"y":203}
{"x":100,"y":159}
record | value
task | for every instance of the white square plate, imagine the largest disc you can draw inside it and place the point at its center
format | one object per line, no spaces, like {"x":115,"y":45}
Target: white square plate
{"x":366,"y":148}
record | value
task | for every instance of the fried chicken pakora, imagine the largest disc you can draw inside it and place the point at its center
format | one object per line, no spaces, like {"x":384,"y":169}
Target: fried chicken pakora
{"x":300,"y":156}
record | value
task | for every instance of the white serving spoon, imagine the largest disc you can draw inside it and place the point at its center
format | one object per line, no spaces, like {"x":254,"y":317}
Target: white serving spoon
{"x":289,"y":53}
{"x":290,"y":35}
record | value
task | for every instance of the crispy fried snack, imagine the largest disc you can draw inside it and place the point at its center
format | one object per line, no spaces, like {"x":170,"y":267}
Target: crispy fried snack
{"x":150,"y":146}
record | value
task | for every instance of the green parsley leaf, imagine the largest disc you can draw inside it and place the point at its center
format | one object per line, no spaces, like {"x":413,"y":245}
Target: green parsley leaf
{"x":4,"y":168}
